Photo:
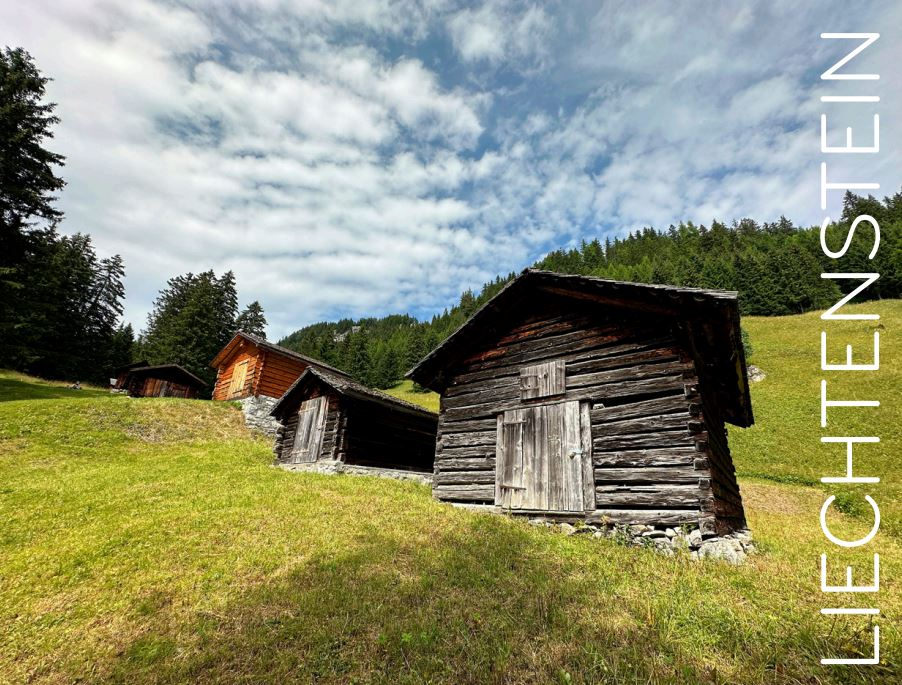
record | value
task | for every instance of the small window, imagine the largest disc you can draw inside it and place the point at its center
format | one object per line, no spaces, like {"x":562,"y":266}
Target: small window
{"x":239,"y":376}
{"x":542,"y":380}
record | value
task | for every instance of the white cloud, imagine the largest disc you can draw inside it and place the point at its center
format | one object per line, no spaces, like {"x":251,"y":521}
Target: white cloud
{"x":343,"y":158}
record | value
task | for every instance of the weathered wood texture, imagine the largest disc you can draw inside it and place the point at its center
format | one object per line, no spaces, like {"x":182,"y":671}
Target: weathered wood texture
{"x":655,"y":456}
{"x":287,"y":436}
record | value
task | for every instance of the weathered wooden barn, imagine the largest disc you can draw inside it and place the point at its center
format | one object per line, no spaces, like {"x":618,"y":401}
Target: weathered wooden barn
{"x":578,"y":397}
{"x":326,"y":416}
{"x":120,"y":375}
{"x":249,"y":366}
{"x":163,"y":380}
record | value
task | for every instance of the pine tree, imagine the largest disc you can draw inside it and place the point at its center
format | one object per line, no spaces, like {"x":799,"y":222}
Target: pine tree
{"x":252,"y":320}
{"x":192,"y":319}
{"x":357,"y":356}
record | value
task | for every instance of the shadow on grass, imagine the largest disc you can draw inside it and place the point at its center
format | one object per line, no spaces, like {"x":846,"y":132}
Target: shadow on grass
{"x":482,"y":601}
{"x":483,"y":604}
{"x":12,"y":389}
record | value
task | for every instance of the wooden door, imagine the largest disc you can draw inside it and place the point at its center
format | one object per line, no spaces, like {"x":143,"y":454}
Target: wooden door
{"x":543,"y":461}
{"x":308,"y":436}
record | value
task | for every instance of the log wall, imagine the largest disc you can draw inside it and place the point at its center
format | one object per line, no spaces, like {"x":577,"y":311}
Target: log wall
{"x":268,"y":373}
{"x":365,"y":434}
{"x":331,"y":431}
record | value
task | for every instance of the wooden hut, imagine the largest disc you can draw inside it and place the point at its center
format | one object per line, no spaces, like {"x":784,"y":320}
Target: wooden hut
{"x":164,"y":380}
{"x":584,"y":398}
{"x":120,"y":375}
{"x":326,"y":416}
{"x":249,"y":366}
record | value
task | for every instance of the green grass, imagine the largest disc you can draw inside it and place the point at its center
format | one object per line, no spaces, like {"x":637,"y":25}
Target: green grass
{"x":150,"y":541}
{"x":785,"y":446}
{"x":404,"y":390}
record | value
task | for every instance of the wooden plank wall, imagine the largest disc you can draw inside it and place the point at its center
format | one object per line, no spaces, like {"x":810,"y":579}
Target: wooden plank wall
{"x":268,"y":373}
{"x":251,"y":353}
{"x":331,"y":432}
{"x":650,"y":437}
{"x":156,"y":387}
{"x":277,"y":374}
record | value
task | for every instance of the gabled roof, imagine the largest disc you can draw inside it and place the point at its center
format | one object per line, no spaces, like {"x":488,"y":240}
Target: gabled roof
{"x":711,"y":316}
{"x":172,"y":370}
{"x":227,"y":351}
{"x":128,"y":367}
{"x":348,"y":387}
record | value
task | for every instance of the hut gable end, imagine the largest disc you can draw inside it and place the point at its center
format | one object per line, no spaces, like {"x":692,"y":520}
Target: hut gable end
{"x":569,"y":405}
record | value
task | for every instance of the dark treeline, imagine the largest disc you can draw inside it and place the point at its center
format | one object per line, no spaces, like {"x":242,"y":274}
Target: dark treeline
{"x":775,"y":267}
{"x":60,"y":304}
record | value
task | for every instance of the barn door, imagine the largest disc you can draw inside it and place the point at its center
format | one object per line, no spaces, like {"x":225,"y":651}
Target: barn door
{"x":542,"y":460}
{"x":308,"y":436}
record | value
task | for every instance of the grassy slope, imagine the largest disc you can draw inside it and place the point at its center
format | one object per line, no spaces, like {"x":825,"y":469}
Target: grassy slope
{"x":405,"y":391}
{"x":785,"y":442}
{"x":149,"y":541}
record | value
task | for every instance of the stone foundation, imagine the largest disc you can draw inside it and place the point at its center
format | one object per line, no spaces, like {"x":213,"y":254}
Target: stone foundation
{"x":733,"y":547}
{"x":256,"y":414}
{"x":333,"y":466}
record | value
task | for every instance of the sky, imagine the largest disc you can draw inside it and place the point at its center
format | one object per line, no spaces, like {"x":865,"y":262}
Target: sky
{"x":365,"y":157}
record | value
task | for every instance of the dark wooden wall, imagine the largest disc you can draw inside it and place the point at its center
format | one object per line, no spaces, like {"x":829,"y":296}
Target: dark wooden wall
{"x":365,"y":434}
{"x":334,"y":421}
{"x":651,"y":449}
{"x":159,"y":387}
{"x":377,"y":435}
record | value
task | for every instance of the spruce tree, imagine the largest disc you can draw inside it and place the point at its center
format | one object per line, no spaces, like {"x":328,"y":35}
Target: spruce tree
{"x":252,"y":320}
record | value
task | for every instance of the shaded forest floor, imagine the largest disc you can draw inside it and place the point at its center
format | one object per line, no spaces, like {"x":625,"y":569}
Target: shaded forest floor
{"x":149,"y":541}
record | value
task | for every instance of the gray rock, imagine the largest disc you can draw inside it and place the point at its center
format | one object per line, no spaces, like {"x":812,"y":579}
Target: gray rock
{"x":567,"y":529}
{"x":755,"y":374}
{"x":256,"y":414}
{"x":654,"y":534}
{"x":670,"y":532}
{"x":728,"y":550}
{"x":695,"y":539}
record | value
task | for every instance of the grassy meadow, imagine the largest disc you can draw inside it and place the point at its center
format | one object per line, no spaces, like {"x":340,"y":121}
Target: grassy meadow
{"x":150,"y":541}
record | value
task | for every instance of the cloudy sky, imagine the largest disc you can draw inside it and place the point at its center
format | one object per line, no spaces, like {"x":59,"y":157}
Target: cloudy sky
{"x":365,"y":156}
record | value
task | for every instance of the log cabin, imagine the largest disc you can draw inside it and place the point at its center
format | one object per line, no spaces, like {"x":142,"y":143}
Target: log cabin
{"x":329,"y":417}
{"x":163,"y":380}
{"x":582,"y":398}
{"x":249,"y":366}
{"x":120,"y":375}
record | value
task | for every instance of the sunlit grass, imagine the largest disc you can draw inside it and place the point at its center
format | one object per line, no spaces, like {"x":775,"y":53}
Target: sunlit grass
{"x":404,"y":390}
{"x":785,"y":442}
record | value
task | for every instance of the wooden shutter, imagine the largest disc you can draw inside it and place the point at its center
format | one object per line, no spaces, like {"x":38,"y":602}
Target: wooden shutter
{"x":543,"y":459}
{"x":239,"y":376}
{"x":542,"y":380}
{"x":308,"y":436}
{"x":509,"y":477}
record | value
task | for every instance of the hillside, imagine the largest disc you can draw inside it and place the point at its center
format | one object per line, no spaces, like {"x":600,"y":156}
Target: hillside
{"x":149,"y":541}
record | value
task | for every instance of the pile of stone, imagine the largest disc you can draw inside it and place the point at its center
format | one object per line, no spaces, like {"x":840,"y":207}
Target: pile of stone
{"x":256,"y":414}
{"x":733,"y":547}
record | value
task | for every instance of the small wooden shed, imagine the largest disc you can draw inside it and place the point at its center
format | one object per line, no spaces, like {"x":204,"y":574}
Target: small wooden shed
{"x":326,"y":416}
{"x":120,"y":375}
{"x":163,"y":380}
{"x":579,"y":397}
{"x":249,"y":366}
